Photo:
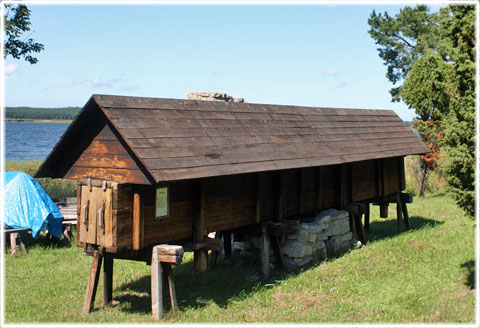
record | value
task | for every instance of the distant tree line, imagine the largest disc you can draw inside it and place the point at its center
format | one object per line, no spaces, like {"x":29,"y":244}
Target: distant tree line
{"x":61,"y":113}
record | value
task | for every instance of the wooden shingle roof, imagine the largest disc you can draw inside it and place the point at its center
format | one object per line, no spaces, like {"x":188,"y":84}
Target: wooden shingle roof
{"x":183,"y":139}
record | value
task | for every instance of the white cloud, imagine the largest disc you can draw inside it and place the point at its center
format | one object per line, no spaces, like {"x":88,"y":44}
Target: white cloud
{"x":331,"y":72}
{"x":99,"y":83}
{"x":131,"y":87}
{"x":10,"y":69}
{"x":341,"y":85}
{"x":78,"y":82}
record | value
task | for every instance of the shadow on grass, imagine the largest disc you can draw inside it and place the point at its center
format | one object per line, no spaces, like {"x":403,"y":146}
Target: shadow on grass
{"x":388,"y":228}
{"x":470,"y":267}
{"x":227,"y":282}
{"x":44,"y":241}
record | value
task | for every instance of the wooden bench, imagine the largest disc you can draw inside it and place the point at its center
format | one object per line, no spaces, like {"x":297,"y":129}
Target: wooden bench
{"x":14,"y":235}
{"x":68,"y":208}
{"x":163,"y":257}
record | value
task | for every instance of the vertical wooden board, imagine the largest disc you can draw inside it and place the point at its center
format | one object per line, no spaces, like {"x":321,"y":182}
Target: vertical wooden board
{"x":391,"y":173}
{"x":290,"y":184}
{"x":401,"y":170}
{"x":258,"y":198}
{"x":137,"y":222}
{"x":79,"y":213}
{"x":123,"y":212}
{"x":156,"y":289}
{"x":108,"y":217}
{"x":82,"y":233}
{"x":364,"y":181}
{"x":319,"y":187}
{"x":301,"y":189}
{"x":100,"y":216}
{"x":97,"y":197}
{"x":310,"y":192}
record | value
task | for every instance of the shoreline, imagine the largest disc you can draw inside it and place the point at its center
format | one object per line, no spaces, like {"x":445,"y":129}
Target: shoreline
{"x":31,"y":120}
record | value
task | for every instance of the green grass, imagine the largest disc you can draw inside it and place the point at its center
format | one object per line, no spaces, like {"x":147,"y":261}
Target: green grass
{"x":421,"y":276}
{"x":56,"y":188}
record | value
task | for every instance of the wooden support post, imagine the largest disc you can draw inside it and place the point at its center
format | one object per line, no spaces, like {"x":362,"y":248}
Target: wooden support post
{"x":92,"y":282}
{"x":14,"y":237}
{"x":360,"y":230}
{"x":138,"y":226}
{"x":265,"y":254}
{"x":399,"y":213}
{"x":227,"y":243}
{"x":353,"y":226}
{"x":13,"y":243}
{"x":355,"y":212}
{"x":383,"y":209}
{"x":277,"y":251}
{"x":401,"y":176}
{"x":107,"y":278}
{"x":163,"y":257}
{"x":367,"y":217}
{"x":200,"y":257}
{"x":169,"y":285}
{"x":405,"y":216}
{"x":156,"y":286}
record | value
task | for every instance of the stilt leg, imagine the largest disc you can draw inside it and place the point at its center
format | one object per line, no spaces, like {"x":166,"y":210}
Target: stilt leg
{"x":212,"y":258}
{"x":405,"y":216}
{"x":367,"y":217}
{"x":200,"y":260}
{"x":359,"y":226}
{"x":156,"y":287}
{"x":353,"y":225}
{"x":13,"y":243}
{"x":399,"y":213}
{"x":265,"y":254}
{"x":277,"y":251}
{"x":169,"y":286}
{"x":92,"y":282}
{"x":227,"y":243}
{"x":22,"y":246}
{"x":107,"y":279}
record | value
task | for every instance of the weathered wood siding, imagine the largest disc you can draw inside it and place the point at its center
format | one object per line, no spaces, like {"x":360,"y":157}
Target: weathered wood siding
{"x":106,"y":158}
{"x":231,"y":202}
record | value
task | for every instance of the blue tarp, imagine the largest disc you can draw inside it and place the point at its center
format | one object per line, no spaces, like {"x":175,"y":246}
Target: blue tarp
{"x":28,"y":206}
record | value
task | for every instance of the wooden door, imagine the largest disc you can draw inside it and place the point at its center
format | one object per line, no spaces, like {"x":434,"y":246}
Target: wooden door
{"x":96,"y":214}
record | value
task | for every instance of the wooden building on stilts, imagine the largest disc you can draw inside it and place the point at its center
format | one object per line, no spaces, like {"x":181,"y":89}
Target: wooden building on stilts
{"x":156,"y":171}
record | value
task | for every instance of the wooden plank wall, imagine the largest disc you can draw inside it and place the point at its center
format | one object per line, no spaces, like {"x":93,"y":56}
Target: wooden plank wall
{"x":231,"y":201}
{"x":107,"y":159}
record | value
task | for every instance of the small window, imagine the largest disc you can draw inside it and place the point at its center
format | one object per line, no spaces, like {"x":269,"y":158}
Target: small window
{"x":161,"y":203}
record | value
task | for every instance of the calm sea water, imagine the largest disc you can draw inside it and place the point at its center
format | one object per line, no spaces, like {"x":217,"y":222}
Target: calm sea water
{"x":25,"y":141}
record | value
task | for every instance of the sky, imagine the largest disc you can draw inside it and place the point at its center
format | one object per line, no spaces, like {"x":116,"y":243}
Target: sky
{"x":315,"y":55}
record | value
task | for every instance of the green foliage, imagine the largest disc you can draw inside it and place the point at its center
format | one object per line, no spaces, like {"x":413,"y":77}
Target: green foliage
{"x":425,"y":275}
{"x":17,"y":22}
{"x":55,"y":188}
{"x":433,"y":55}
{"x":61,"y":113}
{"x":426,"y":89}
{"x":459,"y":29}
{"x":402,"y":40}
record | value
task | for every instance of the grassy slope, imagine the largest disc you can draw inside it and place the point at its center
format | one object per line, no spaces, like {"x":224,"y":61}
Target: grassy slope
{"x":424,"y":275}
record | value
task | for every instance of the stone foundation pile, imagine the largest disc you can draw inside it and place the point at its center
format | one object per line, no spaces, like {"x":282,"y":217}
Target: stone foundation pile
{"x":312,"y":240}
